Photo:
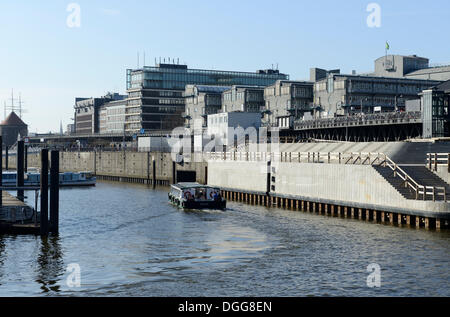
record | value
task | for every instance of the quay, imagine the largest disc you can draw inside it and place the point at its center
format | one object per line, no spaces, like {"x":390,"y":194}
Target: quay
{"x":405,"y":183}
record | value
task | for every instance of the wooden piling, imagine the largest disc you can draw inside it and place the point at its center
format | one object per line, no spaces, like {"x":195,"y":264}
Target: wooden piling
{"x":54,"y":192}
{"x":6,"y":158}
{"x":20,"y":181}
{"x":1,"y":171}
{"x":44,"y":192}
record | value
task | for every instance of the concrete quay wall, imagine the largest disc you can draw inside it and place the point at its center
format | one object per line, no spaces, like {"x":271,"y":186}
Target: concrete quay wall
{"x":124,"y":166}
{"x":354,"y":186}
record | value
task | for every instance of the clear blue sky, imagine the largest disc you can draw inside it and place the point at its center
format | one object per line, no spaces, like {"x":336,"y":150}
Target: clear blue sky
{"x":51,"y":64}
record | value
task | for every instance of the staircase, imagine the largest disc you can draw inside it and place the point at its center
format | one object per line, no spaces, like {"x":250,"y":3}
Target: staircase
{"x":421,"y":175}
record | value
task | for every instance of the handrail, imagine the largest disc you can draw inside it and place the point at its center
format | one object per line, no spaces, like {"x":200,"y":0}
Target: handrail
{"x":438,"y":159}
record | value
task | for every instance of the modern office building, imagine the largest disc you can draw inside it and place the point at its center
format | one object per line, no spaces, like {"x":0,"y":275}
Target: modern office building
{"x":436,"y":111}
{"x":243,"y":99}
{"x":287,"y":101}
{"x":87,"y":112}
{"x":202,"y":101}
{"x":155,"y":94}
{"x":339,"y":94}
{"x":112,"y":117}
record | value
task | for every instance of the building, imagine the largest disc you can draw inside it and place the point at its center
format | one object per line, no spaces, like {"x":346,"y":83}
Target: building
{"x":202,"y":101}
{"x":412,"y":67}
{"x":156,"y":94}
{"x":436,"y":111}
{"x":13,"y":128}
{"x":339,"y":94}
{"x":316,"y":74}
{"x":87,"y":112}
{"x":243,"y":99}
{"x":220,"y":125}
{"x":70,"y":129}
{"x":287,"y":101}
{"x":112,"y":117}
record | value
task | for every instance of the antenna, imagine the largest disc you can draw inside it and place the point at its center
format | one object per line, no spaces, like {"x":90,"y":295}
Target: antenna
{"x":138,"y":60}
{"x":144,"y":60}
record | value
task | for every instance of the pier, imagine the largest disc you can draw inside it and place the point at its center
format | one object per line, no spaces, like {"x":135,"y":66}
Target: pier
{"x":16,"y":217}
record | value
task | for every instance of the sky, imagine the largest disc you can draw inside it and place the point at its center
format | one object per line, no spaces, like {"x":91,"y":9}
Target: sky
{"x":50,"y":63}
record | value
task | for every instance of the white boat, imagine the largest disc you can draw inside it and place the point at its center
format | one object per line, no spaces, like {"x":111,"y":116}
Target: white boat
{"x":33,"y":178}
{"x":196,"y":196}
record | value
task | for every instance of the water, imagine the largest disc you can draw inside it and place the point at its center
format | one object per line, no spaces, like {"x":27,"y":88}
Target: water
{"x":128,"y":241}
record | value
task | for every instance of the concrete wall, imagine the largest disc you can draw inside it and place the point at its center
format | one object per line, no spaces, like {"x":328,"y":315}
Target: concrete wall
{"x":245,"y":176}
{"x":357,"y":186}
{"x":119,"y":164}
{"x":442,"y":172}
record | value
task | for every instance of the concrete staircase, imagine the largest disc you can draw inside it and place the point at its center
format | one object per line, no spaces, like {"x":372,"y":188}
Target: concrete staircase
{"x":422,"y":175}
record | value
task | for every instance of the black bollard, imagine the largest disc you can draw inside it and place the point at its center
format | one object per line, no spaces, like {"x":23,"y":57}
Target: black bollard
{"x":20,"y":172}
{"x":54,"y":192}
{"x":44,"y":192}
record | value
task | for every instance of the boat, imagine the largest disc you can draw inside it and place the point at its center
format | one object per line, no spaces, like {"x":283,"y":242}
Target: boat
{"x":196,"y":196}
{"x":33,"y":178}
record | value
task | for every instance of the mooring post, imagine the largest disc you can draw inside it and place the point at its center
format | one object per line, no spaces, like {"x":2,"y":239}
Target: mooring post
{"x":44,"y":192}
{"x":6,"y":158}
{"x":20,"y":170}
{"x":174,"y":172}
{"x":154,"y":171}
{"x":54,"y":192}
{"x":26,"y":158}
{"x":1,"y":171}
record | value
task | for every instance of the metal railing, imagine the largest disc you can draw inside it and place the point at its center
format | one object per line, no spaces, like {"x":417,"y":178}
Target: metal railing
{"x":434,"y":160}
{"x":360,"y":120}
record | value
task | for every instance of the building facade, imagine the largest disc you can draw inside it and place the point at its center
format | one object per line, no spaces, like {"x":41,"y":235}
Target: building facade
{"x":436,"y":111}
{"x":243,"y":99}
{"x":412,"y":66}
{"x":339,"y":95}
{"x":156,"y":94}
{"x":202,"y":101}
{"x":287,"y":101}
{"x":87,"y":112}
{"x":220,"y":125}
{"x":112,"y":117}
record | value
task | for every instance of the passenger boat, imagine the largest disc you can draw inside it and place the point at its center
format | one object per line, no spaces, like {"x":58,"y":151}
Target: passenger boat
{"x":196,"y":196}
{"x":33,"y":178}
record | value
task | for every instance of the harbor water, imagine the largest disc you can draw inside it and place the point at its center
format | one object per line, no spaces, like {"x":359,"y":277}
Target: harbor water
{"x":126,"y":240}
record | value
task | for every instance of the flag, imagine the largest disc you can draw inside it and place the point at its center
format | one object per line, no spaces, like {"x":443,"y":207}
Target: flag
{"x":387,"y":46}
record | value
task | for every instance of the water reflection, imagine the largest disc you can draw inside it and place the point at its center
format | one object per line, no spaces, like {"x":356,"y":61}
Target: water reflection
{"x":50,"y":264}
{"x":2,"y":257}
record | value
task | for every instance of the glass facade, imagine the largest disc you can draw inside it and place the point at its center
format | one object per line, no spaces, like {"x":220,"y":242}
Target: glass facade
{"x":158,"y":92}
{"x":436,"y":114}
{"x":178,"y":76}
